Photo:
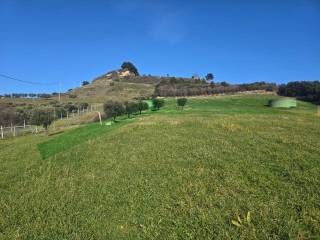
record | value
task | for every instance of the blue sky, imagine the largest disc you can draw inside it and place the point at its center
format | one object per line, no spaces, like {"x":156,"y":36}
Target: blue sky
{"x":239,"y":41}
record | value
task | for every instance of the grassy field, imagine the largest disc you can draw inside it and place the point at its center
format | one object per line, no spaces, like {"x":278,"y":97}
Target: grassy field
{"x":171,"y":174}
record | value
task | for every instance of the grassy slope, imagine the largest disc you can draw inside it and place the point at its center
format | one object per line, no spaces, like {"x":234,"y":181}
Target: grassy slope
{"x":172,"y":175}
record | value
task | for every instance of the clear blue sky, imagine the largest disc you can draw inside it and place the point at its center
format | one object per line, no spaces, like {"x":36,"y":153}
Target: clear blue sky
{"x":239,"y":41}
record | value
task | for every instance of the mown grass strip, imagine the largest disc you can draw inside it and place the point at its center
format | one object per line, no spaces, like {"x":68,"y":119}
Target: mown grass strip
{"x":74,"y":137}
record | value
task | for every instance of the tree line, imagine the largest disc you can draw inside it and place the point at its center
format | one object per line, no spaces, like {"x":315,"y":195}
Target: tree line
{"x":193,"y":87}
{"x":28,"y":95}
{"x":113,"y":109}
{"x":302,"y":90}
{"x":17,"y":114}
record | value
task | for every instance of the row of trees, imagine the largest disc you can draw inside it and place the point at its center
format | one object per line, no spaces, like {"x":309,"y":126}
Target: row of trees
{"x":303,"y":90}
{"x":113,"y":109}
{"x":27,"y":95}
{"x":17,"y":115}
{"x":182,"y":87}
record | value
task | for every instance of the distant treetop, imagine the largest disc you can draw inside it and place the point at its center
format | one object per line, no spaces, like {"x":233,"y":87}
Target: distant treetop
{"x":130,"y":67}
{"x":85,"y":83}
{"x":209,"y":77}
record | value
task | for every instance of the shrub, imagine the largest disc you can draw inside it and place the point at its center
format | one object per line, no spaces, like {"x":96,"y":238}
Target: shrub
{"x":181,"y":102}
{"x":157,"y":103}
{"x":113,"y":109}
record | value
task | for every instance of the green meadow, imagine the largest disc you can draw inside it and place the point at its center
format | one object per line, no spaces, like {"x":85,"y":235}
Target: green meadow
{"x":225,"y":167}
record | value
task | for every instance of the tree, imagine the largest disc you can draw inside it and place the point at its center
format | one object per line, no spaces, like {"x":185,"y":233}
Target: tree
{"x":209,"y":77}
{"x":130,"y":108}
{"x":142,"y":106}
{"x":158,"y":103}
{"x":181,"y":102}
{"x":113,"y":109}
{"x":84,"y":83}
{"x":225,"y":84}
{"x":42,"y":116}
{"x":130,"y":67}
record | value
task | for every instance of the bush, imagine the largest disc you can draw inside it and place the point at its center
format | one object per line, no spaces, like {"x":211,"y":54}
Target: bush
{"x":113,"y":109}
{"x":181,"y":102}
{"x":158,"y":103}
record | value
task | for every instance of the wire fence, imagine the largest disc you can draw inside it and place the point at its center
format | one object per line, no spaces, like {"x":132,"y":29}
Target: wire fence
{"x":19,"y":130}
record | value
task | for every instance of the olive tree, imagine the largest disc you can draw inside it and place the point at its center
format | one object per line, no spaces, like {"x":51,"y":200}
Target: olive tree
{"x":130,"y":108}
{"x":113,"y":109}
{"x":42,"y":117}
{"x":157,"y":103}
{"x":142,"y":106}
{"x":181,"y":102}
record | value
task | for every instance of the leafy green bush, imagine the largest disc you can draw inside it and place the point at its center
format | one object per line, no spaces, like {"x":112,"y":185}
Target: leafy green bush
{"x":157,"y":103}
{"x":181,"y":102}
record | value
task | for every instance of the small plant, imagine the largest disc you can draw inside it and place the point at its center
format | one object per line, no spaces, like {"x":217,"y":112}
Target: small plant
{"x":241,"y":222}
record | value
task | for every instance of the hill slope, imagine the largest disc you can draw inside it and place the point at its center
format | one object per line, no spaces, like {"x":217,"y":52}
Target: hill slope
{"x":172,"y":175}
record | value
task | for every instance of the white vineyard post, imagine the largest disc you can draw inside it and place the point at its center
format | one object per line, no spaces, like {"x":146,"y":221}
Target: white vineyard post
{"x":2,"y":135}
{"x":100,"y":118}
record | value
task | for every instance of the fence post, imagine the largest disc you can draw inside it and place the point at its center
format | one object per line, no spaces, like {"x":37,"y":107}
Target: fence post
{"x":14,"y":131}
{"x":100,"y":118}
{"x":11,"y":128}
{"x":24,"y":123}
{"x":2,"y":132}
{"x":36,"y":129}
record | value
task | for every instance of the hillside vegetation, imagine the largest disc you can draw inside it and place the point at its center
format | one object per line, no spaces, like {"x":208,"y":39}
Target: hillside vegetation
{"x":196,"y":173}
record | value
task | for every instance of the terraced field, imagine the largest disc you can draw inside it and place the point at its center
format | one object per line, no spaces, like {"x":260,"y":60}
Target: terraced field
{"x":223,"y":168}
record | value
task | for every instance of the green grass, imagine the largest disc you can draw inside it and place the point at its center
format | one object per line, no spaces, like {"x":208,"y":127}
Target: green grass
{"x":171,"y":174}
{"x":68,"y":139}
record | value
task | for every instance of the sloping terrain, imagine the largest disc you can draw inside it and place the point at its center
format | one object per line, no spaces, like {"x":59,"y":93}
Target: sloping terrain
{"x":122,"y":89}
{"x":173,"y":174}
